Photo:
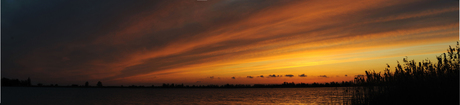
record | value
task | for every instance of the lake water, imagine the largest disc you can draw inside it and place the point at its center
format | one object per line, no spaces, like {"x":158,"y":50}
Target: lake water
{"x":167,"y":96}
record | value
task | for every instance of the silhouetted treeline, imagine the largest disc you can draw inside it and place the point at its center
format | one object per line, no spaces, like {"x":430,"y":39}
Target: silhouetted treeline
{"x":412,"y":82}
{"x":284,"y":85}
{"x":27,"y":83}
{"x":16,"y":82}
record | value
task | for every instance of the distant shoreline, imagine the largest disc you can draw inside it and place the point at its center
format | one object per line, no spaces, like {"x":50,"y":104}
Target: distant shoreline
{"x":163,"y":87}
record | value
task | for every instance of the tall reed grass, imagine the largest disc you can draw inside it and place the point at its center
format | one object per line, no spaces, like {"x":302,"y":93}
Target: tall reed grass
{"x":411,"y":82}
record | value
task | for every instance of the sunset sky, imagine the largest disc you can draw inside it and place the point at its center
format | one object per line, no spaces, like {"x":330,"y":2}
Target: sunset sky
{"x":145,"y":42}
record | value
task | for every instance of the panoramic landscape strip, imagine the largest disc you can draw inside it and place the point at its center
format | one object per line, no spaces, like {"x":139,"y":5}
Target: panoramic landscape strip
{"x":410,"y":82}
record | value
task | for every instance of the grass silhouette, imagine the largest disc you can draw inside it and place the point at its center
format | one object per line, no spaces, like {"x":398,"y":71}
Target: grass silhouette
{"x":411,"y":82}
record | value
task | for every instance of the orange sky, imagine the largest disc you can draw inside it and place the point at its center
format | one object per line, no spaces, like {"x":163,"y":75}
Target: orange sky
{"x":212,"y":41}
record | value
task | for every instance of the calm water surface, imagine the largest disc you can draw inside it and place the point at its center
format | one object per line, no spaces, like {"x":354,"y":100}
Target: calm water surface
{"x":154,"y":96}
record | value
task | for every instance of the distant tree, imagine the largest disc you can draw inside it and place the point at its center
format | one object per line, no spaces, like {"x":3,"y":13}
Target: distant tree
{"x":86,"y":84}
{"x":99,"y":84}
{"x":28,"y":82}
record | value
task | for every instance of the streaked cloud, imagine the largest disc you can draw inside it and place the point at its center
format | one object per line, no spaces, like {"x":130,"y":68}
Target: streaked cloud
{"x":163,"y":39}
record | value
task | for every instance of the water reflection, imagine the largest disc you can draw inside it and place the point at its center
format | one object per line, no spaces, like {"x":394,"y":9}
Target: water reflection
{"x":142,"y":96}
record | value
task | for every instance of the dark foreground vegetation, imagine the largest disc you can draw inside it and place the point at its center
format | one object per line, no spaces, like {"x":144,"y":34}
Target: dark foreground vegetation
{"x":412,"y":83}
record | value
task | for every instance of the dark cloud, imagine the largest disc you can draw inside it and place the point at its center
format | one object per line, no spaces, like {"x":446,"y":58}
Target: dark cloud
{"x":44,"y":31}
{"x":249,"y":77}
{"x":346,"y":75}
{"x":289,"y":75}
{"x":273,"y":75}
{"x":212,"y":77}
{"x":233,"y":77}
{"x":323,"y":76}
{"x":302,"y":75}
{"x":261,"y":76}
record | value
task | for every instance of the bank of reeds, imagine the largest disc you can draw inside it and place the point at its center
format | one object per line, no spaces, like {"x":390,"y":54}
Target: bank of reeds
{"x":411,"y":83}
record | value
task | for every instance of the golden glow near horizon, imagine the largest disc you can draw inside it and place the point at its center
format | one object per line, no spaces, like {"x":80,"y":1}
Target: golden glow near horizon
{"x":211,"y":42}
